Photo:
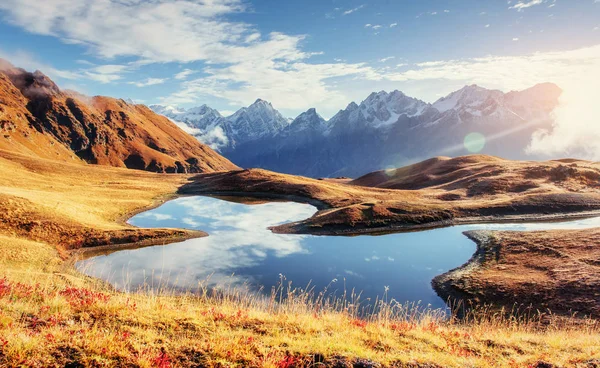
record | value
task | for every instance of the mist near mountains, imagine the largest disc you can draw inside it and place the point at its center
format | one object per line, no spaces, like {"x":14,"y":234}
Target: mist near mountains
{"x":383,"y":131}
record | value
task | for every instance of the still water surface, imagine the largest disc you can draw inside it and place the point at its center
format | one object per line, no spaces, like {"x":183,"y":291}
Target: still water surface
{"x":241,"y":251}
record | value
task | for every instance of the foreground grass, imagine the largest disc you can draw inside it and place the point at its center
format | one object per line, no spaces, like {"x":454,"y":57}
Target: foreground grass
{"x":56,"y":317}
{"x":51,"y":315}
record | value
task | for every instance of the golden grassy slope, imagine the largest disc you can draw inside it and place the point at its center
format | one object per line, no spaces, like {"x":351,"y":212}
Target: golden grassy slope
{"x":50,"y":315}
{"x":77,"y":205}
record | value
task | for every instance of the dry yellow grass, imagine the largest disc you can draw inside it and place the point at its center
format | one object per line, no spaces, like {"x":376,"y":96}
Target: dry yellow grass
{"x":50,"y":315}
{"x":78,"y":205}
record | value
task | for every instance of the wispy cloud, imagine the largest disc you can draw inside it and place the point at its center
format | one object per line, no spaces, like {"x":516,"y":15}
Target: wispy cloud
{"x":350,"y":11}
{"x":105,"y":73}
{"x":383,"y":60}
{"x":149,"y":82}
{"x":522,"y":5}
{"x":184,"y":74}
{"x":237,"y":61}
{"x":393,"y":25}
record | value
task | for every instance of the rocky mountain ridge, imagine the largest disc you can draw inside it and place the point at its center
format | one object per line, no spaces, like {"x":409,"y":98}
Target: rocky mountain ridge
{"x":385,"y":130}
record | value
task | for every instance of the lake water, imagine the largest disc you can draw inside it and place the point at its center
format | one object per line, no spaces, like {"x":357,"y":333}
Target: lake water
{"x":242,"y":252}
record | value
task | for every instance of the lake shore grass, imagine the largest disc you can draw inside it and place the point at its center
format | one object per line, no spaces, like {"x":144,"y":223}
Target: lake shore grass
{"x":52,"y":315}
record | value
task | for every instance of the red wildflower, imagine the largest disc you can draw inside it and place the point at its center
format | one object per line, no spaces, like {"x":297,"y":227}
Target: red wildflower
{"x":162,"y":360}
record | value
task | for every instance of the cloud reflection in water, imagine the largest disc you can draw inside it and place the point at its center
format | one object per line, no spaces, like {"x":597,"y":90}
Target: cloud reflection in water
{"x":238,"y":238}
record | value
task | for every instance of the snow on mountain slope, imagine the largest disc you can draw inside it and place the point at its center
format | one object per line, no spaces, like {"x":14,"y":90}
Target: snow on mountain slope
{"x":473,"y":99}
{"x":384,"y":129}
{"x":255,"y":121}
{"x":203,"y":122}
{"x":378,"y":110}
{"x":248,"y":123}
{"x":309,"y":120}
{"x":200,"y":117}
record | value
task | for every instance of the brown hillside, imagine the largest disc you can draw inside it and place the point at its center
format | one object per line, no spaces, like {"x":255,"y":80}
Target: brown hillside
{"x":556,"y":270}
{"x":481,"y":174}
{"x":37,"y":118}
{"x":436,"y":192}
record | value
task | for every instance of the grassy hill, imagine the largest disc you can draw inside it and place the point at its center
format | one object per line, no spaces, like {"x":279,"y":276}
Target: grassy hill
{"x":51,"y":315}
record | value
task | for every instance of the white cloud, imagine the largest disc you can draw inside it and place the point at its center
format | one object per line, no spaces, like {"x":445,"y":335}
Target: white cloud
{"x":377,"y":26}
{"x":214,"y":138}
{"x":350,"y":11}
{"x":104,"y":73}
{"x":159,"y":30}
{"x":522,"y":5}
{"x":100,"y":73}
{"x":487,"y":26}
{"x":393,"y":25}
{"x":186,"y":128}
{"x":156,"y":216}
{"x":293,"y":85}
{"x":383,"y":60}
{"x":240,"y":62}
{"x":149,"y":82}
{"x":184,"y":74}
{"x":515,"y":39}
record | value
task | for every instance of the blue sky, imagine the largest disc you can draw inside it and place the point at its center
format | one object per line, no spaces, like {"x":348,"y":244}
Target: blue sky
{"x":300,"y":53}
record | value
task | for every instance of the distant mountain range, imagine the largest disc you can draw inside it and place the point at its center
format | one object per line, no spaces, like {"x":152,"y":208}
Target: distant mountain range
{"x":385,"y":130}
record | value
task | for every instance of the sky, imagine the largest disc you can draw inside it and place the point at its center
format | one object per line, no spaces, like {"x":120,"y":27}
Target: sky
{"x":300,"y":54}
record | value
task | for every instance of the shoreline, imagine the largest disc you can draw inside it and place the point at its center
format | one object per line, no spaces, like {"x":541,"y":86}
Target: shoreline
{"x":303,"y":227}
{"x":516,"y":219}
{"x":93,"y":251}
{"x":442,"y":284}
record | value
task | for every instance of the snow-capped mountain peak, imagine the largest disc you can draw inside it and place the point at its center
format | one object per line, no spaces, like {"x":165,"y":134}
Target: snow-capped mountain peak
{"x":307,"y":125}
{"x":200,"y":117}
{"x":166,"y":110}
{"x":309,"y":119}
{"x":351,"y":106}
{"x":470,"y":97}
{"x":256,"y":120}
{"x":383,"y":108}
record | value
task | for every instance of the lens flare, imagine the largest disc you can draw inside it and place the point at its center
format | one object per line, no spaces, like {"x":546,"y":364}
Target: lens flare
{"x":474,"y":142}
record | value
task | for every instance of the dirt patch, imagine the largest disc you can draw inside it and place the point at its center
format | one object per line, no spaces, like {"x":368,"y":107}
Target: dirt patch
{"x":556,"y":271}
